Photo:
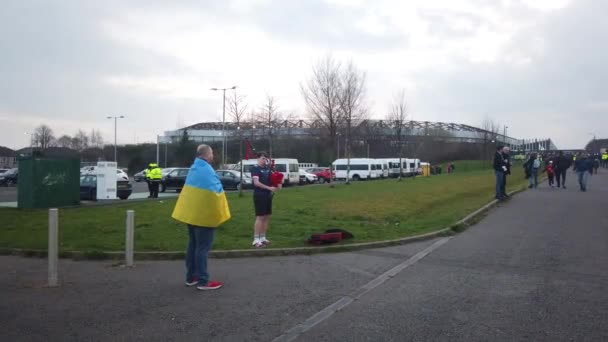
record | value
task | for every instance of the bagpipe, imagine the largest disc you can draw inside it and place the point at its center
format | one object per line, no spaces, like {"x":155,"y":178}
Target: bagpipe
{"x":276,"y":178}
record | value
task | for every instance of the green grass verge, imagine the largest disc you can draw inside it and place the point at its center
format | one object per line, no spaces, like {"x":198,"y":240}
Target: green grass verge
{"x":371,"y":210}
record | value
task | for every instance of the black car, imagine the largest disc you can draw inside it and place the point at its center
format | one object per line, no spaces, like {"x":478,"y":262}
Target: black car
{"x":9,"y":177}
{"x":88,"y":188}
{"x":174,"y":180}
{"x":140,"y":176}
{"x":231,"y":179}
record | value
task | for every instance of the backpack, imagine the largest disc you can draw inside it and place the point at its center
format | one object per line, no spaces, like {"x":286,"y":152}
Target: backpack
{"x":330,"y":236}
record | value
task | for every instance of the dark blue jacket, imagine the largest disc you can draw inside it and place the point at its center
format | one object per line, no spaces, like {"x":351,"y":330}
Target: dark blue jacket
{"x":583,"y":164}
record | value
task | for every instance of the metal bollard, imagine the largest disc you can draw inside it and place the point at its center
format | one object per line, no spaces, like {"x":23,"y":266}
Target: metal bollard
{"x":130,"y":230}
{"x":53,"y":248}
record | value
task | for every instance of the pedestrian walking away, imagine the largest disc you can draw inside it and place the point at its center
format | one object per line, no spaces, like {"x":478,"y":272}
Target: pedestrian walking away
{"x":507,"y":160}
{"x":500,"y":169}
{"x":262,"y":199}
{"x":531,"y":167}
{"x":596,"y":165}
{"x":583,"y":167}
{"x":550,"y":173}
{"x":562,"y":164}
{"x":203,"y":207}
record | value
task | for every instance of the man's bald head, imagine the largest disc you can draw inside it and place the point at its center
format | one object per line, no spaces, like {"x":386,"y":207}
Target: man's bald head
{"x":204,"y":152}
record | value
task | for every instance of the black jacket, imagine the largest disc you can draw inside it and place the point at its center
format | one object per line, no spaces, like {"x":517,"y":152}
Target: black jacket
{"x":562,"y":163}
{"x":499,"y":161}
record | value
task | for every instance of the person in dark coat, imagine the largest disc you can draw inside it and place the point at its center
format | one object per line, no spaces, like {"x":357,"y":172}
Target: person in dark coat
{"x":507,"y":162}
{"x":583,"y":167}
{"x":562,"y":164}
{"x":499,"y":170}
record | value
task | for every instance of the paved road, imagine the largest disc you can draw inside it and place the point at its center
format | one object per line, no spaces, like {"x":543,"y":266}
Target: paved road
{"x":536,"y":268}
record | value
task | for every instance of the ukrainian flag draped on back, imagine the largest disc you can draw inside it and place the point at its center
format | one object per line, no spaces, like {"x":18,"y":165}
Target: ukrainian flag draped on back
{"x":202,"y":201}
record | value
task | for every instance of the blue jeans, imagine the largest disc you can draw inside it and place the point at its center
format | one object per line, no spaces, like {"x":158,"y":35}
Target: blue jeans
{"x":533,"y":180}
{"x":583,"y":177}
{"x":499,"y":181}
{"x":201,"y":239}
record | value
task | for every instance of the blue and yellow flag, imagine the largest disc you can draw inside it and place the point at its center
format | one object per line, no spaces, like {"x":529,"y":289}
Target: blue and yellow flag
{"x":202,"y":201}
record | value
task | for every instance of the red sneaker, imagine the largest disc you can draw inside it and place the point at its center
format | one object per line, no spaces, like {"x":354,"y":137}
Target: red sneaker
{"x":211,"y":285}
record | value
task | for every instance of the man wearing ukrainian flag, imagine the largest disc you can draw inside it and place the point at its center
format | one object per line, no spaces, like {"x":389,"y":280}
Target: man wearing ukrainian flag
{"x":203,"y":207}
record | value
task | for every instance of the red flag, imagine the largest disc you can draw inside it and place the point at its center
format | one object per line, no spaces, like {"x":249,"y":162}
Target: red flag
{"x":248,"y":150}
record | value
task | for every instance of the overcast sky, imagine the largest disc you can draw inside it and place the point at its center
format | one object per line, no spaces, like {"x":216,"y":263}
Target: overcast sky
{"x":537,"y":66}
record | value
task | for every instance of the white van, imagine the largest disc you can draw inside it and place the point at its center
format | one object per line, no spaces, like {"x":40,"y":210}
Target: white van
{"x":308,"y":165}
{"x":288,"y":167}
{"x":413,"y":167}
{"x":382,"y":168}
{"x":360,"y":168}
{"x":393,"y":166}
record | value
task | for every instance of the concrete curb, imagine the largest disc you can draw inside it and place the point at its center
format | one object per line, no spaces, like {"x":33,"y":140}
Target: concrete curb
{"x":457,"y":227}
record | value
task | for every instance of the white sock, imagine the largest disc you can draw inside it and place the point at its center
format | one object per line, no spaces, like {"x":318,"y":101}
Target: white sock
{"x":262,"y":237}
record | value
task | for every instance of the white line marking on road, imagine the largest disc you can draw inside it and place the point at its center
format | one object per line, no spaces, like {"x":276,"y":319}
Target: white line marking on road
{"x":343,"y":302}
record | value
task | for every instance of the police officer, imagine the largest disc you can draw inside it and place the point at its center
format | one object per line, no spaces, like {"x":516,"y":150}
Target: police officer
{"x":147,"y":175}
{"x":155,"y":175}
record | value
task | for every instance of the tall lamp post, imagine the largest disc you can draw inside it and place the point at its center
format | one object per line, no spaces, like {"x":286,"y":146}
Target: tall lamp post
{"x":593,"y":143}
{"x":224,"y":121}
{"x":115,"y":147}
{"x":31,"y":141}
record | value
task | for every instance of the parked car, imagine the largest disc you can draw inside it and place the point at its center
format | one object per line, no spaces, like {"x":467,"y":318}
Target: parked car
{"x":231,"y":179}
{"x":140,"y":176}
{"x":307,"y":177}
{"x":174,"y":179}
{"x":92,"y":170}
{"x":323,"y":174}
{"x":3,"y":171}
{"x":88,"y":188}
{"x":10,"y":177}
{"x":121,"y":174}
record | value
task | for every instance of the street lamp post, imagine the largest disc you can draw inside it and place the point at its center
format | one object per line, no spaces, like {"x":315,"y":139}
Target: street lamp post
{"x":115,"y":147}
{"x":31,"y":141}
{"x":224,"y":121}
{"x":593,"y":143}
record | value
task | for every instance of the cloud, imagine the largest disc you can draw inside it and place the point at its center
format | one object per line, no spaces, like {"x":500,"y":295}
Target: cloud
{"x":533,"y":65}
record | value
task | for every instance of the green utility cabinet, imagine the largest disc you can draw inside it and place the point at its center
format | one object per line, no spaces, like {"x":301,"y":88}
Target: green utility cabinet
{"x":45,"y":182}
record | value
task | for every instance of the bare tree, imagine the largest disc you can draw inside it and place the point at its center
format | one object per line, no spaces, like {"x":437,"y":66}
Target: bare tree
{"x":96,"y":139}
{"x":65,"y":141}
{"x":490,"y":134}
{"x":237,"y":107}
{"x":352,"y":107}
{"x":398,"y":117}
{"x":270,"y":116}
{"x":43,"y":136}
{"x":80,"y":141}
{"x":237,"y":110}
{"x":322,"y":96}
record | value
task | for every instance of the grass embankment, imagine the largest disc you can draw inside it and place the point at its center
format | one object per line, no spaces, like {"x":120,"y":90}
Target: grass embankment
{"x":371,"y":210}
